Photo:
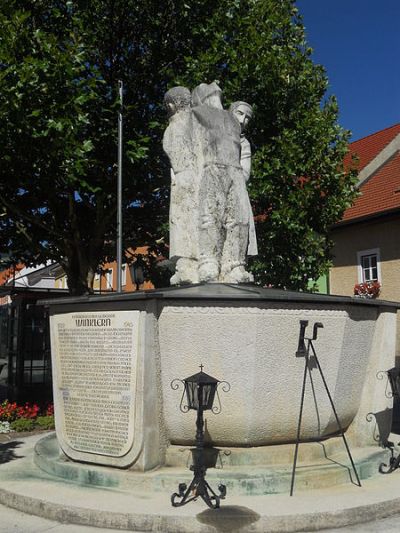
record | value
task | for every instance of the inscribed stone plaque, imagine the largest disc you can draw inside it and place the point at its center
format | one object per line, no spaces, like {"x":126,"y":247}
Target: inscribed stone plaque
{"x":95,"y":355}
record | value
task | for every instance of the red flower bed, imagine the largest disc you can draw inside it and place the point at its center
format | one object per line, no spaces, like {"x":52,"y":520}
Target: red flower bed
{"x":11,"y":411}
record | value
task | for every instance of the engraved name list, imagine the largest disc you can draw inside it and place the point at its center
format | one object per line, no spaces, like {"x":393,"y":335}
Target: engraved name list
{"x":96,"y":369}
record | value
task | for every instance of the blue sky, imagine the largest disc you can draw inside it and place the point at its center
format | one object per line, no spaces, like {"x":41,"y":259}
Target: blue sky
{"x":358,"y":43}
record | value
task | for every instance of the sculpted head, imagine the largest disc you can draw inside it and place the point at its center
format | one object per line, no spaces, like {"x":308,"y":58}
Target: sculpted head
{"x":177,"y":99}
{"x":243,"y":112}
{"x":209,"y":94}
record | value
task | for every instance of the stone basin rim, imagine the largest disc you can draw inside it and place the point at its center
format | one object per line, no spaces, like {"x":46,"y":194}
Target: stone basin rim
{"x":223,"y":291}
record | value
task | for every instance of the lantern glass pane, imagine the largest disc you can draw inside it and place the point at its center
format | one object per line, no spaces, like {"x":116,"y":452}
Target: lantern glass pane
{"x":208,"y":395}
{"x":191,"y":394}
{"x":394,"y":380}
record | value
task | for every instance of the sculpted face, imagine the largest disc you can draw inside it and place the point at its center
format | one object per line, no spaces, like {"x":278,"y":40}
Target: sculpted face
{"x":243,"y":113}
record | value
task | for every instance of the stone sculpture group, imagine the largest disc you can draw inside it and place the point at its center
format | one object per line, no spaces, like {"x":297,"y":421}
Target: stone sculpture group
{"x":211,"y":222}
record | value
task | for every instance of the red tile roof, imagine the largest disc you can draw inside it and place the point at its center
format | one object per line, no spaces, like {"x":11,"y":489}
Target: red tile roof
{"x":379,"y":192}
{"x":367,"y":148}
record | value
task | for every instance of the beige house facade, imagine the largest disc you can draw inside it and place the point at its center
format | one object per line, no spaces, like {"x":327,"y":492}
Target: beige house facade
{"x":380,"y":237}
{"x":367,"y":240}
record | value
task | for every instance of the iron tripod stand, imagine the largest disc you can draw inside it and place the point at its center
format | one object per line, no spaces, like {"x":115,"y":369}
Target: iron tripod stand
{"x":199,"y":486}
{"x":302,"y":351}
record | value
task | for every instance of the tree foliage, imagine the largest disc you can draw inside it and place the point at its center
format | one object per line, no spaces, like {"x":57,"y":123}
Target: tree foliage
{"x":59,"y":66}
{"x":299,"y":188}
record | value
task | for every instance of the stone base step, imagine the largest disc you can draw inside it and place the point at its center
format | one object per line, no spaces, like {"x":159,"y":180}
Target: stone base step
{"x":281,"y":454}
{"x":324,"y":471}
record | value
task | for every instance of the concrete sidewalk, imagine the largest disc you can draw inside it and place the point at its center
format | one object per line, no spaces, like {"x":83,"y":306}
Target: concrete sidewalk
{"x":13,"y":521}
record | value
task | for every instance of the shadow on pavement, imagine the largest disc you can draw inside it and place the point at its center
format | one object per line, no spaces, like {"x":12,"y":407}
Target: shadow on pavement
{"x":7,"y":451}
{"x":228,"y":518}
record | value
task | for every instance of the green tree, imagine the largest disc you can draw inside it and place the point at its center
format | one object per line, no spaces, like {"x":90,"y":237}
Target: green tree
{"x":59,"y":66}
{"x":47,"y":91}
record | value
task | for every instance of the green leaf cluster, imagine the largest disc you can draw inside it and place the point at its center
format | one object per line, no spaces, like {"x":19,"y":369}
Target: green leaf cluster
{"x":22,"y":424}
{"x":45,"y":422}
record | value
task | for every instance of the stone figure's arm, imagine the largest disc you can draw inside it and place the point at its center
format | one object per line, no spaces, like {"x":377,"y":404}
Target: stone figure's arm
{"x":171,"y":148}
{"x":178,"y":145}
{"x":167,"y":143}
{"x":245,"y":158}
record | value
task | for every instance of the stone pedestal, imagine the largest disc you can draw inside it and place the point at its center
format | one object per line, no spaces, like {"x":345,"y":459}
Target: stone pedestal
{"x":113,"y":401}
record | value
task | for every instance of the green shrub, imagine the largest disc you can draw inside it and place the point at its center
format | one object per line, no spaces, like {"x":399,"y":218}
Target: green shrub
{"x":45,"y":422}
{"x":22,"y":424}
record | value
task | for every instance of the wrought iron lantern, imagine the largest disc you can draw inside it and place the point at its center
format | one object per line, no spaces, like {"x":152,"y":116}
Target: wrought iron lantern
{"x":200,"y":391}
{"x":394,"y":380}
{"x":199,"y":394}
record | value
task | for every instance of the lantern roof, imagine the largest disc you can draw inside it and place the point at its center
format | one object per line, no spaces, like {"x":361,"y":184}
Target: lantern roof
{"x":201,"y":377}
{"x":395,"y":371}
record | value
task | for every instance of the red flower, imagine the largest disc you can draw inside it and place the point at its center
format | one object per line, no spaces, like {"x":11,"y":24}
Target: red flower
{"x":11,"y":411}
{"x":368,"y":289}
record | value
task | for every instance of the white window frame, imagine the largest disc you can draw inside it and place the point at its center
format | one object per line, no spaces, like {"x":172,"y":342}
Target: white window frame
{"x":360,"y":255}
{"x":123,"y":275}
{"x":109,"y":279}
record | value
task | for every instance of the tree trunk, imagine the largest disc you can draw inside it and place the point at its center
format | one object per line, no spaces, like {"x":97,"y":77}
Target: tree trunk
{"x":82,"y":258}
{"x":80,"y":267}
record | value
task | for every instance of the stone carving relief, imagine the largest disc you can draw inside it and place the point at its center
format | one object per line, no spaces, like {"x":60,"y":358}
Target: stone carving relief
{"x":211,"y":222}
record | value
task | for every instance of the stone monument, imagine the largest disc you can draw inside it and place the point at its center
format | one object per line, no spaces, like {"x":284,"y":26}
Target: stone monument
{"x":118,"y":422}
{"x":114,"y":356}
{"x":211,"y":223}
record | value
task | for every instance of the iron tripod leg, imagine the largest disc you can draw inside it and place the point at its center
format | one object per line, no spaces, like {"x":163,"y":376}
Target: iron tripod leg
{"x":307,"y":354}
{"x":336,"y":416}
{"x":300,"y":418}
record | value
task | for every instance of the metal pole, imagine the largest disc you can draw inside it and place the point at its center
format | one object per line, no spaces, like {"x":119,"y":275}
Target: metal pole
{"x":303,"y":390}
{"x":119,"y":190}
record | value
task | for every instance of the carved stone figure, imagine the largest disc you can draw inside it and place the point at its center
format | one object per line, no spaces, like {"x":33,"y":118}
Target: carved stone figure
{"x":244,"y":112}
{"x":224,"y":221}
{"x":211,"y":223}
{"x":179,"y":145}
